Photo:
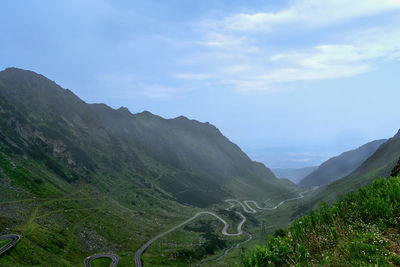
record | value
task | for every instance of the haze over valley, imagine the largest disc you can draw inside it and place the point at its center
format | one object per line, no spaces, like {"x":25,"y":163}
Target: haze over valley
{"x":199,"y":133}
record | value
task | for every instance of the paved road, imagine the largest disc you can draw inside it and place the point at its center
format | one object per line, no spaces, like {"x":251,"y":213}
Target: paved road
{"x":113,"y":257}
{"x":249,"y":209}
{"x":246,"y":208}
{"x":235,"y":246}
{"x":14,"y":240}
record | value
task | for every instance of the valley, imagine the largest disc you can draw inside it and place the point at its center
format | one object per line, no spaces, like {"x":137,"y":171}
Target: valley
{"x":81,"y":179}
{"x":247,"y":208}
{"x":176,"y":133}
{"x":87,"y":184}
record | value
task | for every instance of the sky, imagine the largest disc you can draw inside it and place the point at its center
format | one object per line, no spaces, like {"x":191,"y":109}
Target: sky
{"x":291,"y":82}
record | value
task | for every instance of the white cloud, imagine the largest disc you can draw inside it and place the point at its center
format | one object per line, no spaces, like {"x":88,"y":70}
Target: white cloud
{"x":130,"y":86}
{"x":229,"y":42}
{"x":239,"y":68}
{"x":311,"y":13}
{"x":239,"y":50}
{"x":394,"y":56}
{"x":337,"y":60}
{"x":356,"y":52}
{"x":264,"y":72}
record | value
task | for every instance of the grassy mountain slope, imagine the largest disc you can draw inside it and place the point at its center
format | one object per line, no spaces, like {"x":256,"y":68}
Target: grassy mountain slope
{"x":396,"y":169}
{"x":380,"y":163}
{"x":360,"y":230}
{"x":191,"y":161}
{"x":340,"y":166}
{"x":77,"y":179}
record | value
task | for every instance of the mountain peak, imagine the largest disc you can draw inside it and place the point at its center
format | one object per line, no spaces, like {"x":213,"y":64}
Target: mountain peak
{"x":181,"y":118}
{"x":9,"y":69}
{"x":124,"y":110}
{"x":397,"y":135}
{"x":19,"y":72}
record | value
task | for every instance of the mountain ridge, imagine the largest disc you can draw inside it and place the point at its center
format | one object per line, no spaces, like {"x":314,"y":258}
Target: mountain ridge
{"x":341,"y":165}
{"x":78,"y":179}
{"x":379,"y":164}
{"x":120,"y":129}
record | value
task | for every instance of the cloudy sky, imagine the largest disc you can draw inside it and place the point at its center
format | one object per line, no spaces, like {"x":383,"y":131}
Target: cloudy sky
{"x":291,"y":82}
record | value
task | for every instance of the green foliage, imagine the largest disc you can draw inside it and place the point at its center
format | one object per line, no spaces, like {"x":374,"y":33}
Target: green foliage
{"x":212,"y":244}
{"x":101,"y":262}
{"x":340,"y":166}
{"x":79,"y":179}
{"x":24,"y":178}
{"x":4,"y":242}
{"x":355,"y":231}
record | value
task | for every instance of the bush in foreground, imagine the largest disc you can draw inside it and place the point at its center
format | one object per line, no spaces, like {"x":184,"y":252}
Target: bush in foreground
{"x":363,"y":229}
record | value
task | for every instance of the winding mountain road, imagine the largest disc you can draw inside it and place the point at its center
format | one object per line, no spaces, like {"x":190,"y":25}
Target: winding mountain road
{"x":246,"y":208}
{"x":114,"y":258}
{"x":138,"y":261}
{"x":14,"y":240}
{"x":244,"y":205}
{"x":246,"y":202}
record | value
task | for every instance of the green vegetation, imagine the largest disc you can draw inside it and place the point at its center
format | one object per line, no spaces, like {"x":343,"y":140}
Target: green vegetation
{"x":380,"y":164}
{"x":101,"y":262}
{"x":79,"y":179}
{"x":4,"y":242}
{"x":341,"y":165}
{"x":213,"y":242}
{"x":362,"y":229}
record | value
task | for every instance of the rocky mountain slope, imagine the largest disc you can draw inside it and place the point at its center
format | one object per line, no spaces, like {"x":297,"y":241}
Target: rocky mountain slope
{"x":78,"y":178}
{"x":191,"y":161}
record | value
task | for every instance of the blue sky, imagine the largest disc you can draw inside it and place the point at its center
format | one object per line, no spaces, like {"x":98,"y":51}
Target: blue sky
{"x":291,"y":82}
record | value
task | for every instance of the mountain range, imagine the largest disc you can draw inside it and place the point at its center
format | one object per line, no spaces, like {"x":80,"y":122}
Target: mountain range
{"x":340,"y":166}
{"x":379,"y":164}
{"x":293,"y":174}
{"x":78,"y":178}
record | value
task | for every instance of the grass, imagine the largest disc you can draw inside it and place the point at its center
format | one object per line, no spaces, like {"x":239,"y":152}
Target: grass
{"x":273,"y":220}
{"x":192,"y":241}
{"x":4,"y":242}
{"x":101,"y":262}
{"x":361,"y":229}
{"x":61,"y":226}
{"x":131,"y":186}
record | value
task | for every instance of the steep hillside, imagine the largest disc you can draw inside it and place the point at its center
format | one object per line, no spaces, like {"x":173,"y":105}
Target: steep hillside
{"x":191,"y":161}
{"x":294,"y":175}
{"x":78,"y":179}
{"x":360,"y":230}
{"x":380,"y":163}
{"x":340,"y":166}
{"x":396,"y":169}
